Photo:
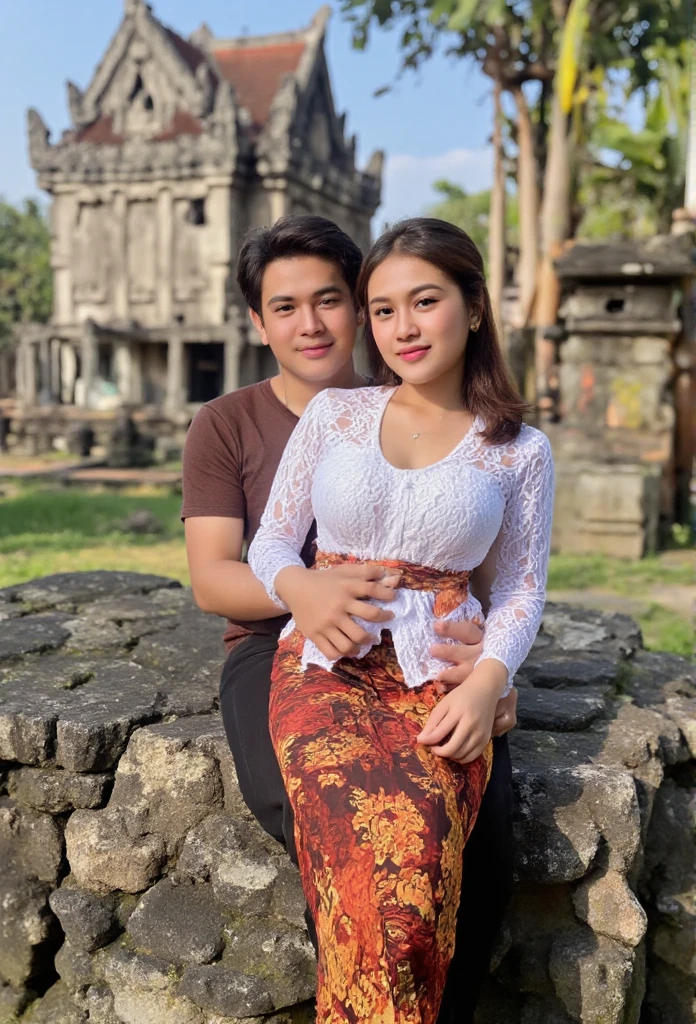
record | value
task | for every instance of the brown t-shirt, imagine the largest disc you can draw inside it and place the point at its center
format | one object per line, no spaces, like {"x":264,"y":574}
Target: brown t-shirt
{"x":232,"y":451}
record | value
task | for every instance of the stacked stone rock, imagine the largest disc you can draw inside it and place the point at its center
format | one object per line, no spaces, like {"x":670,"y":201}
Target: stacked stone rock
{"x":136,"y":889}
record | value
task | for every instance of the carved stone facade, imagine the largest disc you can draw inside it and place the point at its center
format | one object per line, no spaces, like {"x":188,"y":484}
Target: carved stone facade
{"x":177,"y":148}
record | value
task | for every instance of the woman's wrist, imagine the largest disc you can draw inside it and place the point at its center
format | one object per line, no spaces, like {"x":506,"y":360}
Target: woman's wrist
{"x":491,"y":674}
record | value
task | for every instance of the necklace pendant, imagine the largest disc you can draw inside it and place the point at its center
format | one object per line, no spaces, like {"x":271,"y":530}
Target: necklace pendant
{"x":415,"y":436}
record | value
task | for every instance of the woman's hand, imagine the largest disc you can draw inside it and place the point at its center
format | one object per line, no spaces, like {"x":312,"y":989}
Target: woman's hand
{"x":323,"y":602}
{"x":461,"y":724}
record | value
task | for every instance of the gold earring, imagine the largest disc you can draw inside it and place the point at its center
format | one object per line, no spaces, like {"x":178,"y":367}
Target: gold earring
{"x":474,"y":326}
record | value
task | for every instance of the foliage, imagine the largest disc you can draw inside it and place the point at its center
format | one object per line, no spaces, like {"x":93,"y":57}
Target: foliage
{"x":470,"y":210}
{"x":635,"y":178}
{"x":626,"y":181}
{"x":26,"y":289}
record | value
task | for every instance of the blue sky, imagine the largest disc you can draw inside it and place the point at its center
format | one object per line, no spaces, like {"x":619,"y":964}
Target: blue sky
{"x":434,"y":124}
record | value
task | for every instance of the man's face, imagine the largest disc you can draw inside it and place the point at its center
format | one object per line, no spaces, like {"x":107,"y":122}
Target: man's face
{"x":308,"y":317}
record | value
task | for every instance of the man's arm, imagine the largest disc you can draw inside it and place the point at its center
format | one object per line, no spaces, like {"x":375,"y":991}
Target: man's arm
{"x":321,"y":602}
{"x":221,"y":582}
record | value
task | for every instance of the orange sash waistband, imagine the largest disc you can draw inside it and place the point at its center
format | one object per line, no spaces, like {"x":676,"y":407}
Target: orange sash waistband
{"x":451,"y":587}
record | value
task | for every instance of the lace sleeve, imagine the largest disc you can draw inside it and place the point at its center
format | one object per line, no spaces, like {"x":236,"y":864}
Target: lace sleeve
{"x":288,"y":515}
{"x":518,"y":592}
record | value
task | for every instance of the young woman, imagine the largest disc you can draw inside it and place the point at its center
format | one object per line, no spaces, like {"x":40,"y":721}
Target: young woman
{"x":431,"y":475}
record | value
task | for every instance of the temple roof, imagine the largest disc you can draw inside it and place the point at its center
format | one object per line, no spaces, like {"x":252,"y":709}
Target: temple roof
{"x":257,"y":72}
{"x":193,"y":72}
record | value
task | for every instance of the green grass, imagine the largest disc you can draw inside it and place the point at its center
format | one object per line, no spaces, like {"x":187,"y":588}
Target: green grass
{"x":44,"y":530}
{"x":579,"y":572}
{"x":665,"y":631}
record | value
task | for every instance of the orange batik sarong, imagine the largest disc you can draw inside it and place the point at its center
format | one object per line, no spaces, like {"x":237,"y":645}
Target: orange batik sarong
{"x":380,"y":822}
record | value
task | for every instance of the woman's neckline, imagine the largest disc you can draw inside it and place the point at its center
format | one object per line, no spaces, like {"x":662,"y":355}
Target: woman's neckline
{"x":474,"y":427}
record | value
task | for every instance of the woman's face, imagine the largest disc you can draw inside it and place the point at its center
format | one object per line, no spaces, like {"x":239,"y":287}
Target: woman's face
{"x":420,"y":321}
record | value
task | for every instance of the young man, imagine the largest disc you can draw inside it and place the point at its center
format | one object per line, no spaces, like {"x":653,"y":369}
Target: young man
{"x":298,"y":279}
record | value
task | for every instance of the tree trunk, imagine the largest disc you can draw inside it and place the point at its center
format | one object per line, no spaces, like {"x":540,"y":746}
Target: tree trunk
{"x":496,"y":225}
{"x":528,"y":206}
{"x":555,"y":226}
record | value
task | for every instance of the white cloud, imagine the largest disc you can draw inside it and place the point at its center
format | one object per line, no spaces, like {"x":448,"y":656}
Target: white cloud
{"x":407,"y":185}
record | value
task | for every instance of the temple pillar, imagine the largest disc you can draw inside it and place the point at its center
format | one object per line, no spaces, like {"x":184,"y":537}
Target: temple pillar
{"x":122,"y":368}
{"x":55,"y":346}
{"x":28,"y":372}
{"x":88,"y":349}
{"x":174,"y":400}
{"x":68,"y":373}
{"x":120,"y":257}
{"x":45,"y":370}
{"x":165,"y":248}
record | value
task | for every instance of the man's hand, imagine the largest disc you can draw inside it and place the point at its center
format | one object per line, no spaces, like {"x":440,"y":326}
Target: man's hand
{"x":505,"y":714}
{"x":323,"y":603}
{"x":463,"y":654}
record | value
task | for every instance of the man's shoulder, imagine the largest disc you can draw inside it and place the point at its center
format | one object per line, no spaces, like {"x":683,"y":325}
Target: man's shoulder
{"x":233,"y":403}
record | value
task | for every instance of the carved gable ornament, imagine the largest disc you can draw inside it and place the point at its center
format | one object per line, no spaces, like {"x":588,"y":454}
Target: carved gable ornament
{"x":147,"y":75}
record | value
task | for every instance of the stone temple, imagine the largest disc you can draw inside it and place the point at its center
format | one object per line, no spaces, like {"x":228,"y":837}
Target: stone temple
{"x":177,"y":147}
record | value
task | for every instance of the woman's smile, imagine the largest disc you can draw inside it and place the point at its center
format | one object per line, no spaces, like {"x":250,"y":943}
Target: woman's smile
{"x":414,"y":352}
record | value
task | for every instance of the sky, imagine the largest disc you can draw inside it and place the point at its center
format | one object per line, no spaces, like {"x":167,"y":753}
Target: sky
{"x":434,"y":123}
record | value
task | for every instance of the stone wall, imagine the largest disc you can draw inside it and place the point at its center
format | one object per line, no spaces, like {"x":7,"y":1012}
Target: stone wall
{"x":136,"y":889}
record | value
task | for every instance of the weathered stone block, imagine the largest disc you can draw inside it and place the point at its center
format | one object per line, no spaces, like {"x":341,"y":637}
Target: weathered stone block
{"x":566,"y":670}
{"x":73,"y":589}
{"x":592,"y":976}
{"x":240,"y":860}
{"x":89,"y":921}
{"x":283,"y":957}
{"x":57,"y":791}
{"x":145,"y":990}
{"x":25,"y":925}
{"x":562,"y":813}
{"x":183,"y":924}
{"x":606,"y":903}
{"x":12,"y":1002}
{"x":227,"y":992}
{"x":32,"y":635}
{"x":30,"y":840}
{"x":76,"y":710}
{"x":107,"y":850}
{"x":56,"y":1007}
{"x":74,"y":967}
{"x":558,"y":711}
{"x":167,"y":781}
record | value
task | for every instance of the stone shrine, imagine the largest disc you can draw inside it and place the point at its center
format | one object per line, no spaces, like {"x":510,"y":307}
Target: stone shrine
{"x":177,"y":147}
{"x":623,"y":445}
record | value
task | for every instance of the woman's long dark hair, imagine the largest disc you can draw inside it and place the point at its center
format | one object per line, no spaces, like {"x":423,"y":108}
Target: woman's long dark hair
{"x":487,"y":388}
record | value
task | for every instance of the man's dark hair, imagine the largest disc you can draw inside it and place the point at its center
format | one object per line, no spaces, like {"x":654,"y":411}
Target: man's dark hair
{"x":296,"y":235}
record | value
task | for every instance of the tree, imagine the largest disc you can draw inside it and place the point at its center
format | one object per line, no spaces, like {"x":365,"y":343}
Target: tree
{"x":634,"y":178}
{"x":571,"y":48}
{"x":471,"y":212}
{"x":509,"y":46}
{"x":26,"y":287}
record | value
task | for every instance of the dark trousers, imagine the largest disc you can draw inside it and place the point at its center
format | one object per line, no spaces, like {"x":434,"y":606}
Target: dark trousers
{"x":487,"y":879}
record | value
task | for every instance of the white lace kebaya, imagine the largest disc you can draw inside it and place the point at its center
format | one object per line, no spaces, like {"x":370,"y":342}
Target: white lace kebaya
{"x":445,"y":516}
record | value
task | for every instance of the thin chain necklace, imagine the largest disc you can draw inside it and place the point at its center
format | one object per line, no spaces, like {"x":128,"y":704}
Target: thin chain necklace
{"x":429,"y":430}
